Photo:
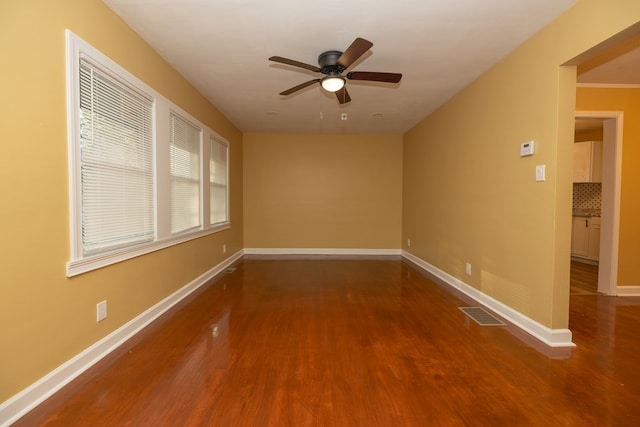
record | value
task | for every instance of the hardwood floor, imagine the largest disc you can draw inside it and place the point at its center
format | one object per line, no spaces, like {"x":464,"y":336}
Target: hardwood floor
{"x":584,"y":278}
{"x":344,"y":342}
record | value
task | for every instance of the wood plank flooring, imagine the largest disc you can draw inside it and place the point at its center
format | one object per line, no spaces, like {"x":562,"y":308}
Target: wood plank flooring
{"x":584,"y":278}
{"x":346,"y":342}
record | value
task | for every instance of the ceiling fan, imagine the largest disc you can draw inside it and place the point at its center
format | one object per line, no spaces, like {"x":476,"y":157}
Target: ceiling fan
{"x":333,"y":63}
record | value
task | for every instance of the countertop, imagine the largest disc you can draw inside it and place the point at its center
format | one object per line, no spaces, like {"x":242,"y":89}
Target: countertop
{"x":586,"y":212}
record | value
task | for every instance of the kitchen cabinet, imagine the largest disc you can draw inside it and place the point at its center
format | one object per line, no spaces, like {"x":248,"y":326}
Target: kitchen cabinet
{"x":593,"y":250}
{"x":585,"y":237}
{"x":580,"y":237}
{"x":587,"y":161}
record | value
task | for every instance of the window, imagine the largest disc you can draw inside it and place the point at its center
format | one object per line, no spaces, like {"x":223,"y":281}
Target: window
{"x":218,"y":211}
{"x":116,"y":163}
{"x":137,"y":164}
{"x":185,"y":175}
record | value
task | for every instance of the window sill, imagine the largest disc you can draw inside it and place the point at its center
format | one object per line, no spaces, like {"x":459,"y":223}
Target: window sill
{"x":94,"y":262}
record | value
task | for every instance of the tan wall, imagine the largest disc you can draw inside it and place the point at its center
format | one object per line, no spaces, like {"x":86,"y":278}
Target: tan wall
{"x":46,"y":318}
{"x":322,"y":191}
{"x":469,"y":197}
{"x":627,"y":100}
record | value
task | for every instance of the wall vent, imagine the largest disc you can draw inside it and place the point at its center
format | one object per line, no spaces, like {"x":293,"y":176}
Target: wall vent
{"x":481,"y":316}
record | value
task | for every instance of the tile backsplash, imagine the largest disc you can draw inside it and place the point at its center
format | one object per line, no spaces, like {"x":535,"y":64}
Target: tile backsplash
{"x":587,"y":195}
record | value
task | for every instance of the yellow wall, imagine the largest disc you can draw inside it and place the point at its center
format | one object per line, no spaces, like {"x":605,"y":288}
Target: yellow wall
{"x":627,"y":100}
{"x":469,"y":197}
{"x":46,"y":318}
{"x":322,"y":191}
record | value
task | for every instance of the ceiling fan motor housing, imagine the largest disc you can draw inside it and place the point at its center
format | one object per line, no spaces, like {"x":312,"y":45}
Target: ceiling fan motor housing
{"x":328,"y":62}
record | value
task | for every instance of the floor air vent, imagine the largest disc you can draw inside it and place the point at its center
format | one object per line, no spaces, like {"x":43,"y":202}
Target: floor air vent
{"x":230,"y":270}
{"x":481,"y":316}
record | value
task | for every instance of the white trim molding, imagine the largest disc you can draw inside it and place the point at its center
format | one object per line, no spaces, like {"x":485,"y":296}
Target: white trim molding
{"x":17,"y":406}
{"x":628,"y":291}
{"x":322,"y":251}
{"x":610,"y":85}
{"x":551,"y":337}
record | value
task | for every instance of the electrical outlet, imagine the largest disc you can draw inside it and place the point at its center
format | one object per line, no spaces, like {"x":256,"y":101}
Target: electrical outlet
{"x":409,"y":242}
{"x":101,"y":311}
{"x":224,"y":248}
{"x":467,"y":268}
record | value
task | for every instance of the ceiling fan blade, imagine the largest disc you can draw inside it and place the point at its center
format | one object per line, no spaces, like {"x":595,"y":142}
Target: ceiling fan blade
{"x":374,"y":77}
{"x":353,"y":52}
{"x":299,"y":87}
{"x":294,"y":63}
{"x":343,"y":95}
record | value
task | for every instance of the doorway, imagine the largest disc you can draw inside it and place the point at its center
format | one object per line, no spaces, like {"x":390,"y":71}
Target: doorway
{"x":610,"y":210}
{"x":612,"y":64}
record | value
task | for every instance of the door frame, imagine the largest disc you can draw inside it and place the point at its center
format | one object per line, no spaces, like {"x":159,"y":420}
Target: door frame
{"x":611,"y":184}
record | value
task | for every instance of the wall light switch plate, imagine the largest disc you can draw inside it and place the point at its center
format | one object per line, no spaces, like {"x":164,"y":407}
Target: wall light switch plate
{"x":540,"y":173}
{"x":526,"y":148}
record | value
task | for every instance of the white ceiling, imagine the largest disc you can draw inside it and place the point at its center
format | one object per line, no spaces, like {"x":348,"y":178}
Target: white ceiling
{"x":222,"y":48}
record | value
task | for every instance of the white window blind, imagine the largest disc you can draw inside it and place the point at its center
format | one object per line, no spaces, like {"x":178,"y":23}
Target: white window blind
{"x":218,"y":182}
{"x":185,"y":174}
{"x":116,"y":162}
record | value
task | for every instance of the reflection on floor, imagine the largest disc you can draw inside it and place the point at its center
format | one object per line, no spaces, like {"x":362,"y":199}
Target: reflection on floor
{"x":584,"y":279}
{"x":354,"y":342}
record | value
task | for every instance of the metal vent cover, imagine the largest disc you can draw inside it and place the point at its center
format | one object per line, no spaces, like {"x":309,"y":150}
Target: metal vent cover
{"x":481,"y":316}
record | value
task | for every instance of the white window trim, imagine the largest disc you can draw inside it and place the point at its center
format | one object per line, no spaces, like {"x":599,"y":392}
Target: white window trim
{"x":78,"y":264}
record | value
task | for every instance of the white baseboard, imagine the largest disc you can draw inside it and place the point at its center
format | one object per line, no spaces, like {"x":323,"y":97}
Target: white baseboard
{"x":551,"y":337}
{"x":321,"y":251}
{"x":17,"y":406}
{"x":628,"y":291}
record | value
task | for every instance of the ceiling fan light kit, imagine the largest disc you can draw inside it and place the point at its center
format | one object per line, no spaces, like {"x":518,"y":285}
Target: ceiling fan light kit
{"x":332,"y":83}
{"x":333,"y":63}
